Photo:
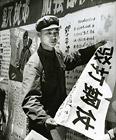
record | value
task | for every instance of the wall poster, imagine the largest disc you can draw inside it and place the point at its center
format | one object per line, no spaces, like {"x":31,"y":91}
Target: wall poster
{"x":78,"y":29}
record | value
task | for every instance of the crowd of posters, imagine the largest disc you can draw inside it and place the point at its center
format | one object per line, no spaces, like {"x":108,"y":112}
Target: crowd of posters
{"x":78,"y":29}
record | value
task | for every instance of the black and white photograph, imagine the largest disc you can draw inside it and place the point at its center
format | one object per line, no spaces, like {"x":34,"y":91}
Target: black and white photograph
{"x":57,"y":70}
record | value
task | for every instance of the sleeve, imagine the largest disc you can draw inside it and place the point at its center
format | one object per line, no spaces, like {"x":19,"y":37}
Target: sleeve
{"x":32,"y":89}
{"x":79,"y":58}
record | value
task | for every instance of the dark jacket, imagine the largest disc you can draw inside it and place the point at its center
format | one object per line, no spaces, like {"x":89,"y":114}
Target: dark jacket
{"x":2,"y":100}
{"x":44,"y":83}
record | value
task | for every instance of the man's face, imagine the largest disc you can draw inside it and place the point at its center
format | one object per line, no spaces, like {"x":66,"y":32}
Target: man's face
{"x":49,"y":38}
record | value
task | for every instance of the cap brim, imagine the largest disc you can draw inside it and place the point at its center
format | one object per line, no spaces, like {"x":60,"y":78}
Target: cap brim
{"x":53,"y":26}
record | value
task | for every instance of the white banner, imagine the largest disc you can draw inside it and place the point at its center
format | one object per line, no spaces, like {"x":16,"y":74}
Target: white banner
{"x":85,"y":108}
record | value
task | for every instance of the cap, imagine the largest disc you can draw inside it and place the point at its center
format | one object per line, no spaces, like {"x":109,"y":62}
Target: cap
{"x":47,"y":22}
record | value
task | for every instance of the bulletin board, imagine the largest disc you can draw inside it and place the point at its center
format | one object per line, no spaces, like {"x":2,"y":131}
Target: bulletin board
{"x":77,"y":30}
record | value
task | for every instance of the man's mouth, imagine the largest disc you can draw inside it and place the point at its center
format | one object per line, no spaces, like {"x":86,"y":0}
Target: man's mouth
{"x":53,"y":42}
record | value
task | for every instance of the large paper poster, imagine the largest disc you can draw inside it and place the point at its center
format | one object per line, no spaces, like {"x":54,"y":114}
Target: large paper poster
{"x":85,"y":108}
{"x":79,"y":29}
{"x":5,"y":54}
{"x":85,"y":28}
{"x":23,"y":45}
{"x":11,"y":70}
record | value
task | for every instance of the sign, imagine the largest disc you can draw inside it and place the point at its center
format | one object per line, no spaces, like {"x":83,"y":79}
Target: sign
{"x":22,"y":12}
{"x":85,"y":108}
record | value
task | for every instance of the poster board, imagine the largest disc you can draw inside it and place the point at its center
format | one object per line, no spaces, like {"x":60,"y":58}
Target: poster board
{"x":79,"y":29}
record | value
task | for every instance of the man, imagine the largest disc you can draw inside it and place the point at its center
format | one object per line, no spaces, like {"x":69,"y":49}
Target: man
{"x":44,"y":76}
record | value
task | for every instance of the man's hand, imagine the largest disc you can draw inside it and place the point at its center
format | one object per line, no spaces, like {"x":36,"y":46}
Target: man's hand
{"x":50,"y":123}
{"x":101,"y":43}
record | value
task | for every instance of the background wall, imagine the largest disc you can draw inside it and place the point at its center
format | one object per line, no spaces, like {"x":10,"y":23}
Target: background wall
{"x":82,"y":24}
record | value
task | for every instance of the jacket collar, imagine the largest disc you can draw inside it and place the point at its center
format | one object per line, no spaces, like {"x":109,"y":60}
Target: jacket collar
{"x":52,"y":54}
{"x":46,"y":52}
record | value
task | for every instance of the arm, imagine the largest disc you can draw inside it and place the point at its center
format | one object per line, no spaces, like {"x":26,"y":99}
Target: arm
{"x":82,"y":56}
{"x":32,"y":89}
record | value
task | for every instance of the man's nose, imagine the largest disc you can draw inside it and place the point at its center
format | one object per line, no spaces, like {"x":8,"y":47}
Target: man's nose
{"x":53,"y":36}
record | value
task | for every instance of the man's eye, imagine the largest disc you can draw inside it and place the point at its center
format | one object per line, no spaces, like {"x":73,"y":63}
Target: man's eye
{"x":56,"y":32}
{"x":49,"y":33}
